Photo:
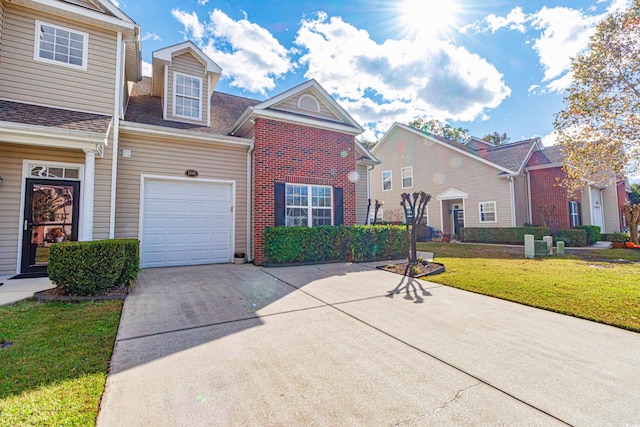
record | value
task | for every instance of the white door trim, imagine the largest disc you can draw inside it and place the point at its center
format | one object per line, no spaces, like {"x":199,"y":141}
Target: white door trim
{"x":232,"y":183}
{"x":26,"y":173}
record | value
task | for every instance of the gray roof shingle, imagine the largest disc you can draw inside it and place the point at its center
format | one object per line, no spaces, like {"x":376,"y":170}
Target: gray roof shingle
{"x":16,"y":112}
{"x":225,"y":110}
{"x":547,"y":156}
{"x":509,"y":156}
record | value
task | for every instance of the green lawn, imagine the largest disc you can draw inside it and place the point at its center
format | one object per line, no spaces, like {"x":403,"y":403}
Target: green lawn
{"x":592,"y":284}
{"x":54,"y":371}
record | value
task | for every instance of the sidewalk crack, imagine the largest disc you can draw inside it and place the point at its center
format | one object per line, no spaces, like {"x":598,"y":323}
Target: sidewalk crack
{"x":441,"y":407}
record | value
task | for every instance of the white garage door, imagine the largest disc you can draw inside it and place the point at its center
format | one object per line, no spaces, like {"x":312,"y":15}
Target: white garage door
{"x":186,"y":223}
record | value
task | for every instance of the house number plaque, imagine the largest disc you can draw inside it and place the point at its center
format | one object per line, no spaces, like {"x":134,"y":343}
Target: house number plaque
{"x":191,"y":173}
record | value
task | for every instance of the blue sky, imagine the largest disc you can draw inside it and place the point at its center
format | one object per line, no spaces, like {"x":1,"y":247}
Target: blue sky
{"x":486,"y":66}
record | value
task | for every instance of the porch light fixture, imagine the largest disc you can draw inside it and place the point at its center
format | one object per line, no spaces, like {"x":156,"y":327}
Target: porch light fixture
{"x":0,"y":180}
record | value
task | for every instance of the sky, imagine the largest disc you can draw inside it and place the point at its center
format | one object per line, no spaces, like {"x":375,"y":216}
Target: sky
{"x":487,"y":66}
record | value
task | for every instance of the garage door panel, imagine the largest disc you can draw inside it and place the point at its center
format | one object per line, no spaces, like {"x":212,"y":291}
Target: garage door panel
{"x":186,"y":223}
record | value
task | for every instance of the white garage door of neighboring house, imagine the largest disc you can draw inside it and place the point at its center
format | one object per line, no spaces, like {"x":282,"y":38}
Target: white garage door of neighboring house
{"x":186,"y":223}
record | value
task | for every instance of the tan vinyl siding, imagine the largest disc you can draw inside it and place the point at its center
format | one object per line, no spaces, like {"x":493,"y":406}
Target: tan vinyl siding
{"x":291,"y":105}
{"x":361,"y":195}
{"x":11,"y":194}
{"x":130,"y":58}
{"x":611,"y":215}
{"x":521,"y":199}
{"x":26,"y":80}
{"x":586,"y":206}
{"x":171,"y":158}
{"x":436,"y":169}
{"x":102,"y":194}
{"x":1,"y":24}
{"x":187,"y":64}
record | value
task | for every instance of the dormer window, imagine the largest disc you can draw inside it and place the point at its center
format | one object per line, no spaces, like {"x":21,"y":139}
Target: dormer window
{"x":187,"y":96}
{"x":308,"y":102}
{"x":60,"y":45}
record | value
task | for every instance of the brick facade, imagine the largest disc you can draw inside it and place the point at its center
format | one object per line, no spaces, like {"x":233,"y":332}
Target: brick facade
{"x":287,"y":152}
{"x":548,"y":196}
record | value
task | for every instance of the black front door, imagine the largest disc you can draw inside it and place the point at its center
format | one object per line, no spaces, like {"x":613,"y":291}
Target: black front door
{"x":50,"y":216}
{"x":458,"y":219}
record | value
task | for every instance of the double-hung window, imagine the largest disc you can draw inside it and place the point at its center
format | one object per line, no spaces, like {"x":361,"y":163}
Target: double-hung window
{"x":308,"y":205}
{"x":386,"y":181}
{"x":407,"y":177}
{"x":488,"y":212}
{"x":574,"y":213}
{"x":187,"y":96}
{"x":60,"y":45}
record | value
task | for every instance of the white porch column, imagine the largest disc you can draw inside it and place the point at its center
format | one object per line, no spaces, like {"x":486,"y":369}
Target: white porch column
{"x":86,"y":210}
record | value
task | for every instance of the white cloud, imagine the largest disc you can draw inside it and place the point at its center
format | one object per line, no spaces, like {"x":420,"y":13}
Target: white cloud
{"x":146,"y":69}
{"x":151,"y":36}
{"x":515,"y":20}
{"x":203,"y":2}
{"x":192,"y":24}
{"x":565,"y":33}
{"x":249,"y":54}
{"x":399,"y":79}
{"x":550,"y":139}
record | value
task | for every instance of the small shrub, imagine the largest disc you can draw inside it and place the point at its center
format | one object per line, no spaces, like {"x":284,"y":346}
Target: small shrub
{"x":593,"y":233}
{"x":572,"y":237}
{"x":617,"y":237}
{"x":334,"y":243}
{"x":93,"y":268}
{"x":508,"y":235}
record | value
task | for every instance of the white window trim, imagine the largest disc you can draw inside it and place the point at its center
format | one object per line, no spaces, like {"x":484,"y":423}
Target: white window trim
{"x":175,"y":95}
{"x":402,"y":177}
{"x":495,"y":212}
{"x":309,"y":206}
{"x":390,"y":180}
{"x":85,"y":47}
{"x":573,"y":214}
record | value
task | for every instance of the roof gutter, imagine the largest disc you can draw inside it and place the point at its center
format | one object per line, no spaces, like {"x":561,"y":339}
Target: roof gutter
{"x":134,"y":128}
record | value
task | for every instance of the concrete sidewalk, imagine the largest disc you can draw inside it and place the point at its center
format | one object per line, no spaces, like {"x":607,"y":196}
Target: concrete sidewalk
{"x":344,"y":344}
{"x":14,"y":290}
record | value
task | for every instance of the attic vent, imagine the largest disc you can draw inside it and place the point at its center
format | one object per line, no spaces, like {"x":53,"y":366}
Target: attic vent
{"x":308,"y":102}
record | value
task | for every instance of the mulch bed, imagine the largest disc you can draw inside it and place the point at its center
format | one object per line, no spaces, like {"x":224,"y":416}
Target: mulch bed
{"x":58,"y":294}
{"x":426,"y":269}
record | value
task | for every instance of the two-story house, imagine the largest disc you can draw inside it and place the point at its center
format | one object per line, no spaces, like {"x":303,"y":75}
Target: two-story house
{"x":477,"y":184}
{"x":92,"y":150}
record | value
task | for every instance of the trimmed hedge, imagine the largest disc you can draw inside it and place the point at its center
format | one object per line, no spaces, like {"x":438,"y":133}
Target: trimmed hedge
{"x":92,"y":268}
{"x":593,"y":233}
{"x":286,"y":245}
{"x":572,"y":237}
{"x":508,"y":235}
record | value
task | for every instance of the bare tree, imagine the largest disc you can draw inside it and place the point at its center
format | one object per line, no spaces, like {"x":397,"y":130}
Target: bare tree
{"x":632,"y":214}
{"x":414,"y":206}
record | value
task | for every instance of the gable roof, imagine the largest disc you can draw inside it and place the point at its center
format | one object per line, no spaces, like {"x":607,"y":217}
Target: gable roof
{"x":548,"y":156}
{"x":476,"y":143}
{"x":146,"y":109}
{"x":365,"y":155}
{"x":508,"y":158}
{"x":511,"y":156}
{"x":264,"y":109}
{"x":167,"y":53}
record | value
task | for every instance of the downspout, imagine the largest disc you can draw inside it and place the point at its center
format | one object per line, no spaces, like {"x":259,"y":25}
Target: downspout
{"x":530,"y":209}
{"x":249,"y":204}
{"x":590,"y":205}
{"x":369,"y":169}
{"x":117,"y":109}
{"x":602,"y":213}
{"x":512,"y":197}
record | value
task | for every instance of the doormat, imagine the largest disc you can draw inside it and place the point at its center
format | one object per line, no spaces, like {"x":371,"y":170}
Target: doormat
{"x":30,"y":275}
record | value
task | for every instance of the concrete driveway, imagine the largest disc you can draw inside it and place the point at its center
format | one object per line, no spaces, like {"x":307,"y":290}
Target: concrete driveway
{"x":344,"y":344}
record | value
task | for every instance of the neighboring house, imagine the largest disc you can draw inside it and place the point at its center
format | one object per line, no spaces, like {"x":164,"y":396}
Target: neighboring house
{"x":477,"y":184}
{"x":197,"y":175}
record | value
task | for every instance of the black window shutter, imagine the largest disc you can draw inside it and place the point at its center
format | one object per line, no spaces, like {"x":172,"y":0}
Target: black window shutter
{"x":279,"y":203}
{"x":338,"y":206}
{"x":579,"y":214}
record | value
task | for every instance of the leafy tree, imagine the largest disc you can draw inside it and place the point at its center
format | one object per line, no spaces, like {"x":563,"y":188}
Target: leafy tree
{"x":599,"y":130}
{"x":634,"y":197}
{"x":442,"y":129}
{"x":369,"y":144}
{"x":497,"y":138}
